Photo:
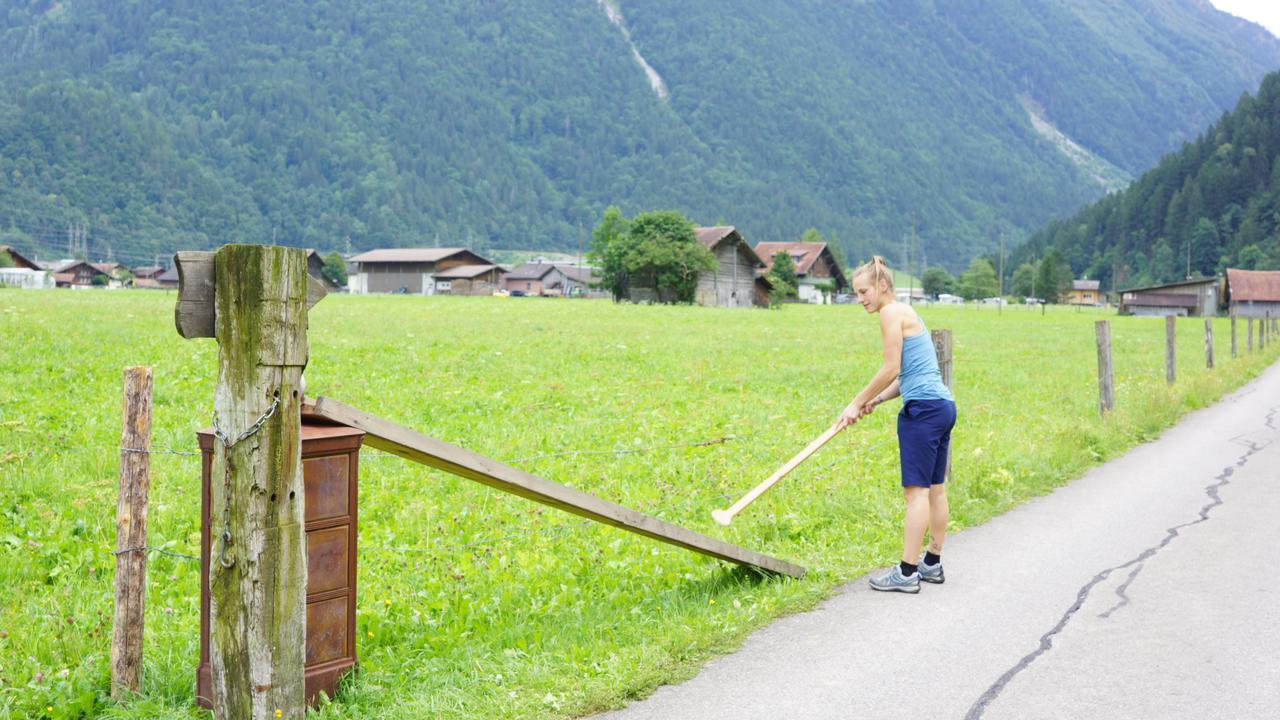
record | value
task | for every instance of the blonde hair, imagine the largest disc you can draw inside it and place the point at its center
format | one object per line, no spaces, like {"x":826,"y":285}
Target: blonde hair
{"x":878,"y":270}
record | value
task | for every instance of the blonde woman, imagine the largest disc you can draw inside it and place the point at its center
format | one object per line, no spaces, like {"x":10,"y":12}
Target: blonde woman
{"x":910,"y":369}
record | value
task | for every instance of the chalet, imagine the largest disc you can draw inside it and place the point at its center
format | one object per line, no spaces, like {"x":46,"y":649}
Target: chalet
{"x":17,"y":259}
{"x":315,"y":268}
{"x":1253,"y":293}
{"x":469,"y":280}
{"x":119,"y":275}
{"x":1188,"y":297}
{"x":147,"y":271}
{"x":1083,"y":292}
{"x":815,"y":266}
{"x":407,"y":270}
{"x":167,"y":280}
{"x":79,"y":274}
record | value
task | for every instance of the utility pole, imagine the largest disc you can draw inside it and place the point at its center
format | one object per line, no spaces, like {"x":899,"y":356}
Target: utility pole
{"x":912,"y":281}
{"x":1000,"y":305}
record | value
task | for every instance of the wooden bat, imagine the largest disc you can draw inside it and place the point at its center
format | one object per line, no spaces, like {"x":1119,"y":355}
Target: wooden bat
{"x":724,"y":517}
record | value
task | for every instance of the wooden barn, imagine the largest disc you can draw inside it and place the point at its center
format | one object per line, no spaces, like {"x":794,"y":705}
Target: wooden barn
{"x":469,"y":280}
{"x":815,"y":264}
{"x":733,"y":282}
{"x":406,"y":270}
{"x":80,"y":274}
{"x":17,"y":259}
{"x":1189,"y":297}
{"x":1254,"y":293}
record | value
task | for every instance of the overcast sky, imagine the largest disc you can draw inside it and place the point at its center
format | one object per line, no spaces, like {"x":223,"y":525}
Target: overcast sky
{"x":1264,"y":12}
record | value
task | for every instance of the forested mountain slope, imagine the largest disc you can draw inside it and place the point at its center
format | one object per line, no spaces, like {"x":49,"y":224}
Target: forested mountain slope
{"x":338,"y":123}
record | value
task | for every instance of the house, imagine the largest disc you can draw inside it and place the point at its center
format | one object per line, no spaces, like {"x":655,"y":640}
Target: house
{"x":79,"y":274}
{"x":147,"y":271}
{"x":539,"y":278}
{"x":469,"y":280}
{"x":1188,"y":297}
{"x":733,"y":282}
{"x":1253,"y":293}
{"x":1083,"y":292}
{"x":119,"y":275}
{"x":407,"y":270}
{"x":167,"y":280}
{"x":815,"y":266}
{"x":315,"y":268}
{"x":17,"y":259}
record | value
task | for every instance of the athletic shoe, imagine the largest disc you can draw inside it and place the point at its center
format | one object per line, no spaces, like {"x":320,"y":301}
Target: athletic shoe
{"x":895,"y":581}
{"x":930,"y":573}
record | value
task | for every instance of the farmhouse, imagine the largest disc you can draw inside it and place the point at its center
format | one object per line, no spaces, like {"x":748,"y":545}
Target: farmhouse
{"x":79,"y":273}
{"x":167,"y":280}
{"x":469,"y":280}
{"x":18,"y":260}
{"x":1083,"y":292}
{"x":407,"y":270}
{"x":815,"y":266}
{"x":1189,"y":297}
{"x":543,"y":278}
{"x":147,"y":271}
{"x":1254,"y":293}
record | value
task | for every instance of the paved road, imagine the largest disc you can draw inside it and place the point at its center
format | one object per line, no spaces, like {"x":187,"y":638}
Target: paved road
{"x":1149,"y":588}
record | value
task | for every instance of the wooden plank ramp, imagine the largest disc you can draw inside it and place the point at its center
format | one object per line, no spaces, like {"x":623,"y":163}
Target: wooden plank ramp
{"x":412,"y":445}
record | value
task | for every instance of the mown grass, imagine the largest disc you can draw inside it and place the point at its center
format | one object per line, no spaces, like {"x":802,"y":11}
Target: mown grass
{"x":478,"y":604}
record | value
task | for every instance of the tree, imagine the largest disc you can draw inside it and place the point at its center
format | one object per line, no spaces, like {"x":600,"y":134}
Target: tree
{"x":936,"y":281}
{"x":606,"y":251}
{"x":1024,"y":281}
{"x":1054,"y":276}
{"x":335,"y":269}
{"x":979,"y":281}
{"x":1251,"y":257}
{"x":5,"y":260}
{"x":657,"y":250}
{"x":783,"y":276}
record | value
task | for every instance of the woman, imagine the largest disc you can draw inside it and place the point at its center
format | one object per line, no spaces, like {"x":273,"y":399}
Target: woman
{"x":910,"y":369}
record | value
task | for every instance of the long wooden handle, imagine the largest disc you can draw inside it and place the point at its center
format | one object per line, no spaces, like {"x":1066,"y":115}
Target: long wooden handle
{"x":724,"y":517}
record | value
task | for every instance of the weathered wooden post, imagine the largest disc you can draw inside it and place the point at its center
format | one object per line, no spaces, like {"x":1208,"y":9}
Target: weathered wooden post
{"x":1208,"y":343}
{"x":942,"y":348}
{"x":1250,"y":333}
{"x":1170,"y":349}
{"x":256,"y":307}
{"x":1106,"y":388}
{"x":1234,"y":352}
{"x":131,"y":532}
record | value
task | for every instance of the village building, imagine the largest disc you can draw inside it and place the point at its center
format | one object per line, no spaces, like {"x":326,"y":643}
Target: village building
{"x":17,"y":259}
{"x":1253,"y":293}
{"x":79,"y":274}
{"x":146,"y":271}
{"x":733,"y":282}
{"x":315,"y":268}
{"x":406,"y":270}
{"x":816,"y":267}
{"x":167,"y":280}
{"x":539,"y":278}
{"x":469,"y":280}
{"x":1189,"y":297}
{"x":1083,"y":292}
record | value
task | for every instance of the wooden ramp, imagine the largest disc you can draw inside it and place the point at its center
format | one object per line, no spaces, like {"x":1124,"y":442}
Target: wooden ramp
{"x":420,"y":448}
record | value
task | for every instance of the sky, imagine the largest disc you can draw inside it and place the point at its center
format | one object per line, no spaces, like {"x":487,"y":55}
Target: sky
{"x":1264,"y":12}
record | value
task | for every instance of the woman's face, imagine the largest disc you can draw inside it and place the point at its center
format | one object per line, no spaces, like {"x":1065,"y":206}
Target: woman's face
{"x":870,"y":295}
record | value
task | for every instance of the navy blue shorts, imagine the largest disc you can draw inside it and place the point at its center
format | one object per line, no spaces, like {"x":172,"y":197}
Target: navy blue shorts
{"x":924,"y":438}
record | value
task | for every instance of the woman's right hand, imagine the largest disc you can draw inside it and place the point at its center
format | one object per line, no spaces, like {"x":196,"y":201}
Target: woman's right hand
{"x":851,"y":415}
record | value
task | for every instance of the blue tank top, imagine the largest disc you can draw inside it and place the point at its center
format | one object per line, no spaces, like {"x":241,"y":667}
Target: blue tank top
{"x":919,"y":378}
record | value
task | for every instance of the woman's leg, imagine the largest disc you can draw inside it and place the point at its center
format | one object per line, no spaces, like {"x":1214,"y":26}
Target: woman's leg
{"x":918,"y":517}
{"x":939,"y":514}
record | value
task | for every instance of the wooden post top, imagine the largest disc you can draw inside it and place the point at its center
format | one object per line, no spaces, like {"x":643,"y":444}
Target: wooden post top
{"x":196,"y":311}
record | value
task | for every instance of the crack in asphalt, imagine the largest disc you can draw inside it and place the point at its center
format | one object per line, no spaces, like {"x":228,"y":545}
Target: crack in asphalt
{"x":1046,"y":640}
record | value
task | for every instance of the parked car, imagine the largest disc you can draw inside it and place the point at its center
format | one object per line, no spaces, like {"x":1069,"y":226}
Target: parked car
{"x":994,"y":301}
{"x":518,"y":293}
{"x":949,"y":299}
{"x":1033,"y":301}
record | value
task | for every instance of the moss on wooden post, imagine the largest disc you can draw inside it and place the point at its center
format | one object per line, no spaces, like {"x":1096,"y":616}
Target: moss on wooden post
{"x":257,"y":580}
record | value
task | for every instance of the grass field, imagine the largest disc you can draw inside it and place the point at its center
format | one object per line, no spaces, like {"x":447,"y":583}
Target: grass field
{"x":475,"y":604}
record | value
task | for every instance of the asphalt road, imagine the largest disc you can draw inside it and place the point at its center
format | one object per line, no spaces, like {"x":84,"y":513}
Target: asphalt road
{"x":1149,"y":588}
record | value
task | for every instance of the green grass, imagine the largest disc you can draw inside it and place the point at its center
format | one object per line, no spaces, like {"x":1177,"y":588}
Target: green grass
{"x":474,"y":603}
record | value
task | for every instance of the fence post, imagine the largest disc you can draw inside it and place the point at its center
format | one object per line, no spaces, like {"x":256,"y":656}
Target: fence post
{"x":1234,"y":353}
{"x":1106,"y":388}
{"x":942,"y":348}
{"x":1208,"y":343}
{"x":131,"y":532}
{"x":1250,"y":333}
{"x":1170,"y":349}
{"x":258,"y":564}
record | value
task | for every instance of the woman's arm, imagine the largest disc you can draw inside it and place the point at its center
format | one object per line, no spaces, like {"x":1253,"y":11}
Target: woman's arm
{"x":887,"y":375}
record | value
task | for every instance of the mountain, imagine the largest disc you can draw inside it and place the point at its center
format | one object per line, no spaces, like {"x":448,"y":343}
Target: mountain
{"x":1213,"y":204}
{"x":143,"y":126}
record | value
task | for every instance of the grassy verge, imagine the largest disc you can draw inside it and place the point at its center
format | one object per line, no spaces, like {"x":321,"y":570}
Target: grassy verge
{"x":478,"y":604}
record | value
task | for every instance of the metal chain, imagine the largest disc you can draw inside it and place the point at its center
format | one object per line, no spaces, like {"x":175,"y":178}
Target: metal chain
{"x":227,"y":444}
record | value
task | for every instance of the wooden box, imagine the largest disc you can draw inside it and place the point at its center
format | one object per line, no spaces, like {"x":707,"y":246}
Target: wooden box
{"x":330,"y":456}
